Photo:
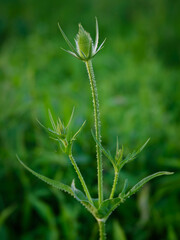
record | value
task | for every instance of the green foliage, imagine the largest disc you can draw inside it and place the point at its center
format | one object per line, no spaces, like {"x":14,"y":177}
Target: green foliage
{"x":140,"y":184}
{"x":49,"y":181}
{"x":138,"y":80}
{"x":102,"y":211}
{"x":6,"y":213}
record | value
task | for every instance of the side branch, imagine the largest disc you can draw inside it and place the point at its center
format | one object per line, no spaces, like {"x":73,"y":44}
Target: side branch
{"x":116,"y":174}
{"x":80,"y":176}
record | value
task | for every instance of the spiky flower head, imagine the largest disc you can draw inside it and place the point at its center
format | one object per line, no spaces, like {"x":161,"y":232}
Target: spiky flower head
{"x":84,"y":43}
{"x":85,"y":48}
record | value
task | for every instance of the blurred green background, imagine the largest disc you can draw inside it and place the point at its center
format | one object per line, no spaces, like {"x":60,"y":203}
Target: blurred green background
{"x":139,"y":89}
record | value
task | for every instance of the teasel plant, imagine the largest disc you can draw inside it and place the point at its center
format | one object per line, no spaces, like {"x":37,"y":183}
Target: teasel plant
{"x":99,"y":207}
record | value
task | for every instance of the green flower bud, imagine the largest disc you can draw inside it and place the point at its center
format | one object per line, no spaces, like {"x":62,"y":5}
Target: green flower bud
{"x":85,"y":49}
{"x":84,"y":43}
{"x":60,"y":129}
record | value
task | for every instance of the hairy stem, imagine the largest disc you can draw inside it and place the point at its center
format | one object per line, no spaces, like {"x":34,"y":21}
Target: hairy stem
{"x":116,"y":174}
{"x":80,"y":177}
{"x":97,"y":127}
{"x":102,"y":233}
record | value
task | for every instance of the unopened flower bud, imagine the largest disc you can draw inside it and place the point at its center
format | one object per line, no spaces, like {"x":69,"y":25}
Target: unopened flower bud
{"x":84,"y":43}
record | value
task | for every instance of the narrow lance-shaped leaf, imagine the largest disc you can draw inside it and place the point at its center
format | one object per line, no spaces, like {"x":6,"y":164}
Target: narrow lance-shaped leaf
{"x":121,"y":156}
{"x":121,"y":195}
{"x":97,"y":36}
{"x":75,"y":135}
{"x":53,"y":183}
{"x":117,"y":145}
{"x":52,"y":120}
{"x":67,"y":40}
{"x":71,"y":117}
{"x":49,"y":130}
{"x":119,"y":153}
{"x":72,"y":53}
{"x":106,"y":153}
{"x":134,"y":189}
{"x":78,"y":194}
{"x":100,"y":47}
{"x":132,"y":155}
{"x":143,"y":146}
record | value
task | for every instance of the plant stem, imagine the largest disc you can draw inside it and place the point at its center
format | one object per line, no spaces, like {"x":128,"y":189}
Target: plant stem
{"x":102,"y":234}
{"x":97,"y":124}
{"x":116,"y":174}
{"x":80,"y":177}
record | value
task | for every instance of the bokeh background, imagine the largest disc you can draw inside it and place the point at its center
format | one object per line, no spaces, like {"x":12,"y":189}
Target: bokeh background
{"x":138,"y":81}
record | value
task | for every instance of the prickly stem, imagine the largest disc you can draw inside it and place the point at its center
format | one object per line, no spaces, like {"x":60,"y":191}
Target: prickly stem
{"x":97,"y":125}
{"x":102,"y":232}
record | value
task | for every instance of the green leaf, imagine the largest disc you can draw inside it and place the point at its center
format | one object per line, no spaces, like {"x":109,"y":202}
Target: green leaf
{"x":90,"y":208}
{"x":47,"y":129}
{"x":75,"y":135}
{"x":71,"y":117}
{"x":52,"y":120}
{"x":134,"y":189}
{"x":67,"y":40}
{"x":97,"y":36}
{"x":100,"y":47}
{"x":132,"y":156}
{"x":143,"y":146}
{"x":121,"y":195}
{"x":71,"y":53}
{"x":50,"y":131}
{"x":107,"y":207}
{"x":119,"y":154}
{"x":106,"y":153}
{"x":49,"y":181}
{"x":79,"y":195}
